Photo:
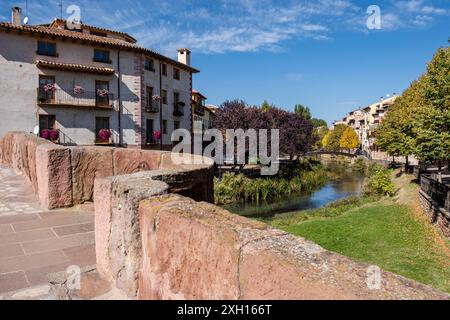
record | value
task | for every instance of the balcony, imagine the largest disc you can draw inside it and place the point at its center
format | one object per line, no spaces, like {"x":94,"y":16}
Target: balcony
{"x":86,"y":99}
{"x":152,"y":106}
{"x":199,"y":109}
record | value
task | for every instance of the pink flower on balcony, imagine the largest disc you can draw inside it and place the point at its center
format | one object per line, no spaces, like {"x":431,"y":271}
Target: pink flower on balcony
{"x":54,"y":135}
{"x":156,"y":98}
{"x":45,"y":134}
{"x":78,"y":90}
{"x":103,"y":92}
{"x":157,"y":135}
{"x":50,"y":134}
{"x":104,"y":134}
{"x":50,"y":87}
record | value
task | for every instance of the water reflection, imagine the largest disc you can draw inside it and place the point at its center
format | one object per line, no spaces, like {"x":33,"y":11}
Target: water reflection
{"x":346,"y":184}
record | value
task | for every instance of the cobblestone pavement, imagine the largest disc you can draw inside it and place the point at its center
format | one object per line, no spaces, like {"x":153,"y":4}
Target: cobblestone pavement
{"x":35,"y":242}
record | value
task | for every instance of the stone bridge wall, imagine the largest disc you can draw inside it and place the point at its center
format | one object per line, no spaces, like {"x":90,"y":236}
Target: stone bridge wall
{"x":64,"y":176}
{"x":155,"y":245}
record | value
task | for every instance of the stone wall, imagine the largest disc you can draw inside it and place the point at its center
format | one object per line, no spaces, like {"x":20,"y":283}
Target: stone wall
{"x":438,"y":216}
{"x":198,"y":251}
{"x":65,"y":176}
{"x":155,"y":245}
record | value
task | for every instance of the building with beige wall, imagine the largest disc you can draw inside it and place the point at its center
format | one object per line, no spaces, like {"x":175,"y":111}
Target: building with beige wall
{"x":201,"y":112}
{"x":365,"y":121}
{"x":79,"y":81}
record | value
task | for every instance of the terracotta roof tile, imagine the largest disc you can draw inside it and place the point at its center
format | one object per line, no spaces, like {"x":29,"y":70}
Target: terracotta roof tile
{"x":73,"y":67}
{"x":126,"y":35}
{"x":93,"y":39}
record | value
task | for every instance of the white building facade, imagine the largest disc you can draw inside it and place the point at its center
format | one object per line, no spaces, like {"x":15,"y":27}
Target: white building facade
{"x":82,"y":81}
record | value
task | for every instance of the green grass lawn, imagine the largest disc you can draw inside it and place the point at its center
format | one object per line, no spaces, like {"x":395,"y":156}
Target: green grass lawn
{"x":381,"y":233}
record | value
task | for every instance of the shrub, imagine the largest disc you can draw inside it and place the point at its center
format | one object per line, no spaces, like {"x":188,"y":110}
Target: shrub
{"x":360,"y":165}
{"x":379,"y":182}
{"x":292,"y":179}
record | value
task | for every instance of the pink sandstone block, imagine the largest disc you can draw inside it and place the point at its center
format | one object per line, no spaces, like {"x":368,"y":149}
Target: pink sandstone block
{"x":127,"y":161}
{"x":186,"y":256}
{"x":117,"y":233}
{"x":54,"y":176}
{"x":23,"y":154}
{"x":7,"y":148}
{"x":88,"y":164}
{"x":103,"y":212}
{"x":19,"y":153}
{"x":31,"y":155}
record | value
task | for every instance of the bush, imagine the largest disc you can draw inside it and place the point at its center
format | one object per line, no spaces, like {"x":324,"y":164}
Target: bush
{"x":360,"y":165}
{"x":292,"y":179}
{"x":380,"y":182}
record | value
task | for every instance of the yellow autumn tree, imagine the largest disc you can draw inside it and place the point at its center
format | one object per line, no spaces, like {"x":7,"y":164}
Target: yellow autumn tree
{"x":326,"y":139}
{"x":349,"y":139}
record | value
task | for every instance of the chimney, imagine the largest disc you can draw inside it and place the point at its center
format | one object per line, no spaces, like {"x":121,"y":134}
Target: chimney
{"x":17,"y":16}
{"x":184,"y":56}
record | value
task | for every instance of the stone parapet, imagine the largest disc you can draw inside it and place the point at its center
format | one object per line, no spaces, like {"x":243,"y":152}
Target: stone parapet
{"x":198,"y":251}
{"x":65,"y":176}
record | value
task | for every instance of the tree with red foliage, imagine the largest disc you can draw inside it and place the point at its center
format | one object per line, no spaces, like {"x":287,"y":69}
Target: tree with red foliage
{"x":296,"y":132}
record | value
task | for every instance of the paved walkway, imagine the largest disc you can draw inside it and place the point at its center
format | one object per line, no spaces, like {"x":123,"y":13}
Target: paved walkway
{"x":35,"y":242}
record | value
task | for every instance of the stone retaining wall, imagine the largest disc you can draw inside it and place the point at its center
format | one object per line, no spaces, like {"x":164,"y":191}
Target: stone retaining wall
{"x":438,"y":216}
{"x":65,"y":176}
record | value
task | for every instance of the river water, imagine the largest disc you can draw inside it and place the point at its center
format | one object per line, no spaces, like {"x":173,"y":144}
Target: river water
{"x":346,"y":184}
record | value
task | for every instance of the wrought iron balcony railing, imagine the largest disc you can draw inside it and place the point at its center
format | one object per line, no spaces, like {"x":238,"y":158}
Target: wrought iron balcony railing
{"x":62,"y":97}
{"x":152,"y":106}
{"x":199,"y":109}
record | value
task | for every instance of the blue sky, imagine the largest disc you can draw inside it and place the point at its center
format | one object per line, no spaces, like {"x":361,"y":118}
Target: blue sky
{"x":319,"y":53}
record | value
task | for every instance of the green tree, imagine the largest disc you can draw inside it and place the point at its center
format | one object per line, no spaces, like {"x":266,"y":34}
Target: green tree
{"x":266,"y":106}
{"x":395,"y":134}
{"x":317,"y":123}
{"x":303,"y":111}
{"x":349,"y":139}
{"x":320,"y":132}
{"x":431,"y":121}
{"x":333,"y":140}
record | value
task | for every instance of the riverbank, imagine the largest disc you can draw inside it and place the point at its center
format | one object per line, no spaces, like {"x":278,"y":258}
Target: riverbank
{"x":389,"y":232}
{"x":341,"y":182}
{"x":303,"y":176}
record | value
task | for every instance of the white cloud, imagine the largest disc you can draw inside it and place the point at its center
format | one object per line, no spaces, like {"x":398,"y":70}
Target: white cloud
{"x":221,"y":26}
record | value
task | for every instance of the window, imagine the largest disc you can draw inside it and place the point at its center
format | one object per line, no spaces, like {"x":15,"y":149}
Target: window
{"x":149,"y":64}
{"x":101,"y":56}
{"x":149,"y":96}
{"x":164,"y":96}
{"x":46,"y":95}
{"x":176,"y":98}
{"x":176,"y":73}
{"x":176,"y":125}
{"x":47,"y":122}
{"x":101,"y":123}
{"x":164,"y":127}
{"x":164,"y":69}
{"x":46,"y":48}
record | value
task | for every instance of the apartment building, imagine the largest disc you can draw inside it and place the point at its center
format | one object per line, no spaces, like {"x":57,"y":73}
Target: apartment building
{"x":84,"y":80}
{"x":365,"y":121}
{"x":201,"y":112}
